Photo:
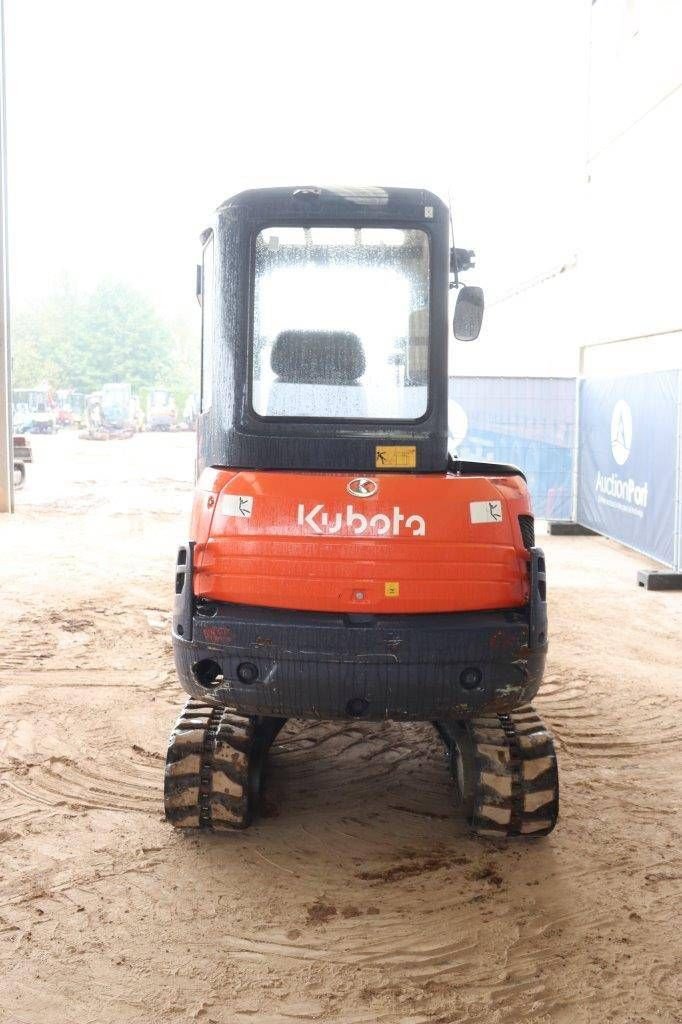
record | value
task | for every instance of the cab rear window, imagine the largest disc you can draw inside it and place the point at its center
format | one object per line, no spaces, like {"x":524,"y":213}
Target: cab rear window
{"x":341,"y":323}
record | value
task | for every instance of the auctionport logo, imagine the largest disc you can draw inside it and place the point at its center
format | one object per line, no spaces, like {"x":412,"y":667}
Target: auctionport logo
{"x":621,"y":432}
{"x":615,"y":491}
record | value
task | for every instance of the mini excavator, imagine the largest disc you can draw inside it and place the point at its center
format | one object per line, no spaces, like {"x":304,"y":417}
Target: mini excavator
{"x":342,"y":563}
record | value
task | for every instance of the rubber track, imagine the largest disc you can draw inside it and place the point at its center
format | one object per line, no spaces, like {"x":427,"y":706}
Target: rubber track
{"x":517,"y":785}
{"x":206,"y":782}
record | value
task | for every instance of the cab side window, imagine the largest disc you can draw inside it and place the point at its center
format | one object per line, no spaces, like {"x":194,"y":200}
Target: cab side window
{"x":207,"y":320}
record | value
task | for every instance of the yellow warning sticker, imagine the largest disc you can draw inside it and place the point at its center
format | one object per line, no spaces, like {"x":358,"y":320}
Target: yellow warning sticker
{"x":398,"y":456}
{"x":391,"y":590}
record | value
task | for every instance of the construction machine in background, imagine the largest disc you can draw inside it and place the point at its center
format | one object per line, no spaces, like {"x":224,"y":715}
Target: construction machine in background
{"x":341,"y":562}
{"x":22,"y":453}
{"x":70,"y":408}
{"x":34,"y":410}
{"x":113,"y":412}
{"x":161,"y":411}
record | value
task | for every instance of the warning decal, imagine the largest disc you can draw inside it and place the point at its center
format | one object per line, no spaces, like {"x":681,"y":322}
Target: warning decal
{"x":240,"y":505}
{"x":485,"y":511}
{"x":396,"y":456}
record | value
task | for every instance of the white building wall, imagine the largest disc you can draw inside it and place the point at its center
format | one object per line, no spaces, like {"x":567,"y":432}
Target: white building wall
{"x":629,"y":261}
{"x":622,"y":281}
{"x":530,"y":332}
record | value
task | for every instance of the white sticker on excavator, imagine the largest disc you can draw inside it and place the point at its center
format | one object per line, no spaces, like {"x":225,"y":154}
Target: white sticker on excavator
{"x":240,"y":505}
{"x":485,"y":511}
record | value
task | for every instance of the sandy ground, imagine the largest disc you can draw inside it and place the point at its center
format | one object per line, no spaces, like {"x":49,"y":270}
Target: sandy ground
{"x":360,"y":897}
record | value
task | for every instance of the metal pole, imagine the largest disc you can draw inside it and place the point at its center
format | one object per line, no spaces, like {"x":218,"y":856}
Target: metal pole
{"x":577,"y":436}
{"x":6,"y":456}
{"x":677,"y":540}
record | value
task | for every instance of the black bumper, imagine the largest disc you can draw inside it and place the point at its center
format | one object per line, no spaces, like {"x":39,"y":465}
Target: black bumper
{"x":297,"y":664}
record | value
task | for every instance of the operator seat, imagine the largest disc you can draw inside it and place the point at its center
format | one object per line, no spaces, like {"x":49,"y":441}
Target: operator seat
{"x":318,"y":374}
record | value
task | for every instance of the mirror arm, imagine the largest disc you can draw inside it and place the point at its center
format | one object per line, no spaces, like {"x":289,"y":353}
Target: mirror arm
{"x":460,"y":260}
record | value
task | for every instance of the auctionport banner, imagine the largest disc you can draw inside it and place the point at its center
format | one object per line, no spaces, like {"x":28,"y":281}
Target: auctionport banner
{"x":627,"y":460}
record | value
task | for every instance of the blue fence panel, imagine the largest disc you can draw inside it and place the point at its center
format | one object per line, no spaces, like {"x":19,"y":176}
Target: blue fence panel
{"x":528,"y":421}
{"x":628,"y":460}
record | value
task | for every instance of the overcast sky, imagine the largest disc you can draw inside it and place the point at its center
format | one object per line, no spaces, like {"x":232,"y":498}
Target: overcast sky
{"x":130,"y":120}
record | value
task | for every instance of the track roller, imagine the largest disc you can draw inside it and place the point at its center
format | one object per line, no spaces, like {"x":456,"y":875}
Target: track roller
{"x":505,"y":769}
{"x":214,"y":766}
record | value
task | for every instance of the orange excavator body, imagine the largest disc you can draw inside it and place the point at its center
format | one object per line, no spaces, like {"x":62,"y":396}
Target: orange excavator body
{"x":342,"y":560}
{"x":413,"y":544}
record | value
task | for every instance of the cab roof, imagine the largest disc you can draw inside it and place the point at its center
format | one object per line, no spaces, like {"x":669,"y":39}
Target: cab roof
{"x":373,"y":202}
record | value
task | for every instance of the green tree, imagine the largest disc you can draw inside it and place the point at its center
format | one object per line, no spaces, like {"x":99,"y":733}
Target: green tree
{"x":122,"y":339}
{"x":84,"y":341}
{"x":44,"y":339}
{"x":186,"y":359}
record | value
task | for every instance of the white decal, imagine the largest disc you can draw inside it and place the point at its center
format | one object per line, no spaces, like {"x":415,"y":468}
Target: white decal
{"x":240,"y":505}
{"x":485,"y":511}
{"x":319,"y":520}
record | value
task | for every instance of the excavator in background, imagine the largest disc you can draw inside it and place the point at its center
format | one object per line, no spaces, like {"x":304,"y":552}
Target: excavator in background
{"x":112,"y":412}
{"x":161,"y":411}
{"x":70,"y":408}
{"x":341,"y":562}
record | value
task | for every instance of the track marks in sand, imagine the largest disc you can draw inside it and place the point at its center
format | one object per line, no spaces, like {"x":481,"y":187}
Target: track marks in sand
{"x":111,"y":773}
{"x":122,"y":782}
{"x":344,"y":906}
{"x":47,"y":896}
{"x":588,"y":726}
{"x":85,"y":636}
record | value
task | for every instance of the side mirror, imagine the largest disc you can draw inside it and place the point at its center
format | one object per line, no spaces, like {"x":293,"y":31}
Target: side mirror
{"x":466,"y":323}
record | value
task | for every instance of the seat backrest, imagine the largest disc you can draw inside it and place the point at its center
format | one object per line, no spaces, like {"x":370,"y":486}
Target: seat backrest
{"x":318,"y":357}
{"x":317,"y":375}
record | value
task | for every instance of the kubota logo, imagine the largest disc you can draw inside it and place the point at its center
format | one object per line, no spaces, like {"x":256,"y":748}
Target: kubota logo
{"x":319,"y":520}
{"x":362,"y":487}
